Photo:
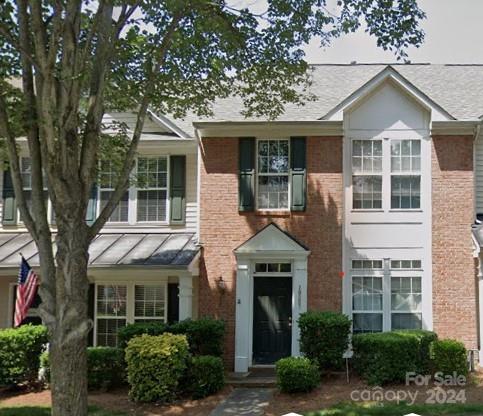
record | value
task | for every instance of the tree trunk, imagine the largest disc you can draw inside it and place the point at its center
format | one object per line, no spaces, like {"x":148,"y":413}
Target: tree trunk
{"x":68,"y":342}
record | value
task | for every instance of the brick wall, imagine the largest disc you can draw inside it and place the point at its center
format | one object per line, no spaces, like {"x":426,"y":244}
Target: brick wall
{"x":223,"y":228}
{"x":454,"y":282}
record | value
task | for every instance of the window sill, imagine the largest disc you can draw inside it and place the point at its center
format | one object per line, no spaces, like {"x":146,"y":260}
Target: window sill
{"x":367,"y":210}
{"x":273,"y":213}
{"x":405,"y":210}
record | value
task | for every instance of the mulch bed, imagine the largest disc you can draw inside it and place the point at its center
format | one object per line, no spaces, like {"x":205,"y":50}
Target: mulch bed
{"x":333,"y":390}
{"x":117,"y":400}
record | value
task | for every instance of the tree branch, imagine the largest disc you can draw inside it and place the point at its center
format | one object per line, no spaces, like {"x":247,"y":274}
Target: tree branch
{"x":128,"y":164}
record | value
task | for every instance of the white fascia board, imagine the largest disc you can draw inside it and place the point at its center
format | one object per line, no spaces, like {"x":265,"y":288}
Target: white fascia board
{"x":164,"y":121}
{"x":223,"y":128}
{"x":388,"y":74}
{"x":455,"y":127}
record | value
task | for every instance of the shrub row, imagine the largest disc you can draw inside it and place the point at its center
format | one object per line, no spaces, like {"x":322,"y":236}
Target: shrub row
{"x":387,"y":357}
{"x":105,"y":367}
{"x":19,"y":353}
{"x":160,"y":367}
{"x":205,"y":335}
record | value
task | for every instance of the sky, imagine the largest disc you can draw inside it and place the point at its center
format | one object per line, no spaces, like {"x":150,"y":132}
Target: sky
{"x":454,"y":34}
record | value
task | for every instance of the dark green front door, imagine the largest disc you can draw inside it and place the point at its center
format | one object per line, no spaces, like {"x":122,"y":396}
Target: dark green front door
{"x":272,"y":319}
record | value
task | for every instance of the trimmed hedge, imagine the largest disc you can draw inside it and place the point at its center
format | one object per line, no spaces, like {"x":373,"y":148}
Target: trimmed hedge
{"x":106,"y":367}
{"x":450,"y":356}
{"x":425,"y":340}
{"x":324,"y":337}
{"x":205,"y":335}
{"x":296,"y":374}
{"x":205,"y":376}
{"x":20,"y":349}
{"x":155,"y":366}
{"x":126,"y":333}
{"x":386,"y":357}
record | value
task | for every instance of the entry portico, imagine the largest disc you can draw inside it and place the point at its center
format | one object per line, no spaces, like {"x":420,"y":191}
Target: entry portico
{"x":269,"y":254}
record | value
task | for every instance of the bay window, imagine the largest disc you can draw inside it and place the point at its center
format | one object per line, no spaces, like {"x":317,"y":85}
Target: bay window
{"x":119,"y":304}
{"x":367,"y":174}
{"x":273,"y":174}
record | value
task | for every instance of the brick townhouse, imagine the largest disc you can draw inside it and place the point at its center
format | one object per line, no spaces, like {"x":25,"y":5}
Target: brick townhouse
{"x":365,"y":201}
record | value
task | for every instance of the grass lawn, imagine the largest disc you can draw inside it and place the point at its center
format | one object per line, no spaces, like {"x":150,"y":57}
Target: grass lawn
{"x":45,"y":411}
{"x":351,"y":409}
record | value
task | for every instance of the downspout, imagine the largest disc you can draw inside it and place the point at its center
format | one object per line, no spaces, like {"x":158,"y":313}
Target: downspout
{"x":477,"y":255}
{"x":198,"y":185}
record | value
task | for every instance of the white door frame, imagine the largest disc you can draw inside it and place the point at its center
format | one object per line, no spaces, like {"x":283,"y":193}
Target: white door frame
{"x":244,"y":300}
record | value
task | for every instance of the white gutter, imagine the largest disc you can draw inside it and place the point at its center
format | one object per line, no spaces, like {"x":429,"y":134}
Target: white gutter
{"x":454,"y":127}
{"x":198,"y":185}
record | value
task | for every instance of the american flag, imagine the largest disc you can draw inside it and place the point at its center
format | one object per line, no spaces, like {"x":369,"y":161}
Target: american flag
{"x":28,"y":283}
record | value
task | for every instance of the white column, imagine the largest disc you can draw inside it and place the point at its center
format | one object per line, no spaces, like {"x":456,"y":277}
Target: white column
{"x":242,"y":317}
{"x":299,"y":300}
{"x":185,"y":297}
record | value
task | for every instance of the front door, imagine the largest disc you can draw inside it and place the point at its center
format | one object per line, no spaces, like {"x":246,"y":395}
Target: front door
{"x":272,"y":319}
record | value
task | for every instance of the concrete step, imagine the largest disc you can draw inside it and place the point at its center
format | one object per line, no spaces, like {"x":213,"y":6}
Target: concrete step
{"x":255,"y":377}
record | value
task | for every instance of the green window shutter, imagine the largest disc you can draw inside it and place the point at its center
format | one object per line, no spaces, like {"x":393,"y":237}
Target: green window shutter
{"x":91,"y":213}
{"x":298,"y":172}
{"x":177,"y":191}
{"x":9,"y":204}
{"x":246,"y":184}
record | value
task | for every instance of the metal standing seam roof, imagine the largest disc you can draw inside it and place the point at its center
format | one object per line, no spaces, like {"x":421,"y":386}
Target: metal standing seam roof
{"x":167,"y":250}
{"x":456,"y":88}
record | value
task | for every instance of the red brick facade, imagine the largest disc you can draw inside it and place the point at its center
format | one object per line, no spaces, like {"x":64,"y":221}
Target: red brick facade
{"x":454,"y":281}
{"x":223,"y":228}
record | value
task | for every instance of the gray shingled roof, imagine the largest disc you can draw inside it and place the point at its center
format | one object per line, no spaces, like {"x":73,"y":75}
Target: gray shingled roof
{"x":456,"y":88}
{"x":112,"y":249}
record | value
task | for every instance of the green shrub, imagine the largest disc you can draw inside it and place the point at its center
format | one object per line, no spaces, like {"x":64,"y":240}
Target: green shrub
{"x":155,"y":366}
{"x":20,"y":350}
{"x":205,"y":335}
{"x":449,"y":356}
{"x":205,"y":376}
{"x":106,"y":367}
{"x":296,"y":374}
{"x":386,"y":357}
{"x":324,"y":337}
{"x":425,"y":339}
{"x":129,"y":331}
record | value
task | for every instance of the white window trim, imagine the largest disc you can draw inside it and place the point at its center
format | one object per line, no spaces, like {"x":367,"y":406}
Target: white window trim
{"x":50,"y":208}
{"x":130,"y":300}
{"x":386,"y":175}
{"x":132,"y":197}
{"x":377,"y":174}
{"x":289,"y":189}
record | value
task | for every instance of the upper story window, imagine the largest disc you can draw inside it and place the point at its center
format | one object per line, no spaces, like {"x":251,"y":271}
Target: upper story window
{"x":152,"y":192}
{"x":149,"y":194}
{"x":374,"y":162}
{"x":367,"y":174}
{"x":107,"y":183}
{"x":273,"y":174}
{"x":405,"y":174}
{"x":26,"y":174}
